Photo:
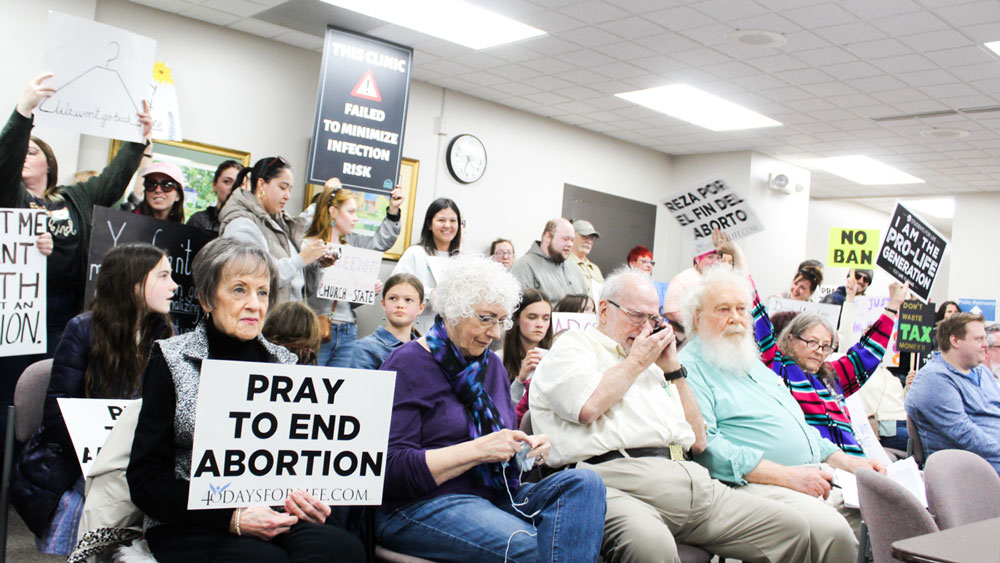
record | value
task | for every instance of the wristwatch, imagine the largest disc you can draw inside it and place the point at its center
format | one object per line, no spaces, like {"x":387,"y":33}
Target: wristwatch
{"x":675,"y":375}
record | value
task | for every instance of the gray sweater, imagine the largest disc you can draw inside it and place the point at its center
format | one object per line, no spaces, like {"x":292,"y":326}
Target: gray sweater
{"x":536,"y":270}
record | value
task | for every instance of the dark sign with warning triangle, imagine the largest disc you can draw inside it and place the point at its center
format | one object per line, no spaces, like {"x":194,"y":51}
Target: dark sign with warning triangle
{"x":360,"y":112}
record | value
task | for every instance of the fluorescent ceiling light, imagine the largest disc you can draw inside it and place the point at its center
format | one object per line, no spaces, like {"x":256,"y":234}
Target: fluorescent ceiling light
{"x":696,"y":106}
{"x":864,"y":170}
{"x":993,"y":46}
{"x":451,"y":20}
{"x":941,"y":207}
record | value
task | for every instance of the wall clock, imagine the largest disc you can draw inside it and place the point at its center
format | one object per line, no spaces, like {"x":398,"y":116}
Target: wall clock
{"x":466,"y":157}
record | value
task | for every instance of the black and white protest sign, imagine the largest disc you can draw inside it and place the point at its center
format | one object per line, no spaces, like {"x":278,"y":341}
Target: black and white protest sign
{"x":182,"y":243}
{"x":352,"y":278}
{"x":263,"y":431}
{"x":89,"y":422}
{"x":22,"y":282}
{"x":912,"y":251}
{"x":916,"y":324}
{"x":364,"y":84}
{"x":709,"y":205}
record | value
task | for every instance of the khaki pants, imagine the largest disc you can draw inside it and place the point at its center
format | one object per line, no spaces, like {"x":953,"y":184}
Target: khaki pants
{"x":831,"y":524}
{"x":652,"y":501}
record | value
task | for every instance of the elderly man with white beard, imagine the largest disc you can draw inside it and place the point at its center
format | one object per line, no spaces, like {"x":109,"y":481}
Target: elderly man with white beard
{"x":757,"y":437}
{"x":613,"y":398}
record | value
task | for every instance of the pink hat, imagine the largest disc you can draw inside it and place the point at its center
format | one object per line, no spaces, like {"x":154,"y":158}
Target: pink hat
{"x":167,"y":168}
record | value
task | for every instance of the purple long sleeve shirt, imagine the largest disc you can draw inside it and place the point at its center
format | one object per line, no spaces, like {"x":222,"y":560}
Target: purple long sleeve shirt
{"x":427,"y":415}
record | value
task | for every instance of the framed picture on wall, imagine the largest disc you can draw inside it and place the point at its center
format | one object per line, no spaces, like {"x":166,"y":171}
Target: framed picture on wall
{"x":372,"y":206}
{"x":198,"y":161}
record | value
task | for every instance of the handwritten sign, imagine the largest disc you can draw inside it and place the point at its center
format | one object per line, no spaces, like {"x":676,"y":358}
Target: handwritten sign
{"x":912,"y":251}
{"x":916,"y":322}
{"x":829,"y":312}
{"x":353,"y":277}
{"x":709,"y":205}
{"x":853,"y":247}
{"x":364,"y":85}
{"x":182,"y":243}
{"x":22,"y":283}
{"x":863,"y":430}
{"x":163,"y":107}
{"x":89,"y":422}
{"x":572,"y":321}
{"x":985,"y":307}
{"x":101,"y":76}
{"x":263,"y":431}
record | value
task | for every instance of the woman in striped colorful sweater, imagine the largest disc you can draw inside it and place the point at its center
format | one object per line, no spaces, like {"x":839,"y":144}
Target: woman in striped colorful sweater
{"x":799,"y":355}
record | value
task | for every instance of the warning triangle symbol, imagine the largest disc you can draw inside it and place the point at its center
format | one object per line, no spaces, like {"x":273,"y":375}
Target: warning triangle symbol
{"x":366,"y":88}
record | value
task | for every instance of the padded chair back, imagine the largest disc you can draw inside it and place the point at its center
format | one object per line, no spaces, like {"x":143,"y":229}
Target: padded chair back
{"x":29,"y":399}
{"x":526,"y":422}
{"x":383,"y":555}
{"x":962,"y":488}
{"x":891,"y":512}
{"x":917,"y":449}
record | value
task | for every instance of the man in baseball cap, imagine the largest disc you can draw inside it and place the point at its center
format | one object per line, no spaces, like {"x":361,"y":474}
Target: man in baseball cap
{"x":583,"y":243}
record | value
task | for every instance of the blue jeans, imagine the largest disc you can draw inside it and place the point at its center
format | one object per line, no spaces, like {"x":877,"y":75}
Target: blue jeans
{"x":899,"y":440}
{"x":339,"y":351}
{"x":463,"y":528}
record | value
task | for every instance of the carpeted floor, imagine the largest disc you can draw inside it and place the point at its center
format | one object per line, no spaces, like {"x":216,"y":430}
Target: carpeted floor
{"x":21,"y":543}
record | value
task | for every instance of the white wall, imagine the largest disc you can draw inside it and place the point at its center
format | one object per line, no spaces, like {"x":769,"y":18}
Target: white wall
{"x":23,"y":41}
{"x":975,"y":269}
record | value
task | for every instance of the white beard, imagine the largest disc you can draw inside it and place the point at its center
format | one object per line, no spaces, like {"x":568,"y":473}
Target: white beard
{"x":732,"y":351}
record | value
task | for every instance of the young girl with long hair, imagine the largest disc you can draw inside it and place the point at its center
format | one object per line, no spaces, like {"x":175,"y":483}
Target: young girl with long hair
{"x":402,"y":301}
{"x":101,"y":355}
{"x":333,"y":221}
{"x":532,"y":330}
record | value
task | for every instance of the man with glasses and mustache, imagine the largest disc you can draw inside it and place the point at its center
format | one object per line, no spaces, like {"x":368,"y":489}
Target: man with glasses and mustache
{"x":546,"y":266}
{"x":614,"y":398}
{"x":862,"y":278}
{"x":758,"y":439}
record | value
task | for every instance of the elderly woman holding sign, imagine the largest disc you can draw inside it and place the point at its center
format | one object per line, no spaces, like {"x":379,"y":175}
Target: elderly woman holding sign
{"x":452,"y":490}
{"x":236,"y":283}
{"x":334,"y":221}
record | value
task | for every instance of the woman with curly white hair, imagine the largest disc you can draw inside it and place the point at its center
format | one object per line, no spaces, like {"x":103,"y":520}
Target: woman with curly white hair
{"x":452,"y":490}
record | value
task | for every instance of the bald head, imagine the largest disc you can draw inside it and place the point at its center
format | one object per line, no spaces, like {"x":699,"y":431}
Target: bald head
{"x":557,"y":240}
{"x":627,"y":297}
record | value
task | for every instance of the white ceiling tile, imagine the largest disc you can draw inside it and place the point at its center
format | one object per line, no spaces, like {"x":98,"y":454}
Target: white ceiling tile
{"x":854,"y":32}
{"x":479,"y":60}
{"x":548,"y":65}
{"x":878,"y":49}
{"x":619,"y":70}
{"x":638,"y":6}
{"x":445,"y":67}
{"x":552,"y":22}
{"x":590,"y":37}
{"x":982,"y":33}
{"x":962,"y":56}
{"x":482,"y":78}
{"x":710,"y":35}
{"x":299,"y":39}
{"x":984,"y":11}
{"x":900,"y":95}
{"x":976,"y":72}
{"x":668,"y":43}
{"x":927,"y":77}
{"x":847,"y":71}
{"x":730,"y":69}
{"x":679,"y":17}
{"x":512,"y":53}
{"x":829,"y":89}
{"x":770,"y":21}
{"x":582,"y":76}
{"x":242,"y":8}
{"x":515,"y":88}
{"x":873,"y":84}
{"x":777,"y":63}
{"x":865,"y":9}
{"x":700,"y":57}
{"x":825,"y":56}
{"x":950,"y":90}
{"x":727,"y":9}
{"x":937,"y":41}
{"x":512,"y":72}
{"x":629,"y":51}
{"x":172,"y":6}
{"x":585,"y":58}
{"x":632,"y":28}
{"x":594,"y":12}
{"x":257,"y":27}
{"x":804,"y":76}
{"x":547,"y":98}
{"x":209,"y":15}
{"x":548,"y":45}
{"x":904,"y":63}
{"x":548,"y":83}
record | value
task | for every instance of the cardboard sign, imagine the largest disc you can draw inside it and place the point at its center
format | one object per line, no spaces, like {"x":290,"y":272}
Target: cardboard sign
{"x":360,"y":112}
{"x":182,"y":243}
{"x":916,"y":321}
{"x":867,"y":310}
{"x":985,"y":307}
{"x":163,"y":107}
{"x":89,"y":422}
{"x":853,"y":247}
{"x":101,"y":75}
{"x":912,"y":251}
{"x":863,"y":431}
{"x":263,"y":431}
{"x":710,"y":205}
{"x":572,"y":321}
{"x":829,"y":312}
{"x":353,"y":277}
{"x":23,"y":329}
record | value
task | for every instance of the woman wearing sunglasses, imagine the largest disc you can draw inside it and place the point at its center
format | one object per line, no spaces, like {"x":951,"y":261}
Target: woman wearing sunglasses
{"x":163,"y":184}
{"x":258,"y":216}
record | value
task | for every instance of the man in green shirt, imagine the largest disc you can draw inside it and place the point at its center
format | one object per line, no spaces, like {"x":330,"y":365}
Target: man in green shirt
{"x":757,"y":437}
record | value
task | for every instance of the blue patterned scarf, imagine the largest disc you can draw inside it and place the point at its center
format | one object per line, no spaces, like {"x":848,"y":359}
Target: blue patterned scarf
{"x":466,"y":378}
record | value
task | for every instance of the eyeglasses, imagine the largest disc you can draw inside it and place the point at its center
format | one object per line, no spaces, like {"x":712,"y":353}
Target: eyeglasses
{"x":814,"y":345}
{"x":489,"y":321}
{"x":503,"y":253}
{"x":862,"y":278}
{"x":635,"y":318}
{"x":646,"y":261}
{"x":166,"y":186}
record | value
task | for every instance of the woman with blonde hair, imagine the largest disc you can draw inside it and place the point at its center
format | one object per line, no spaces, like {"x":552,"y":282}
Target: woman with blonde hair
{"x":333,"y":222}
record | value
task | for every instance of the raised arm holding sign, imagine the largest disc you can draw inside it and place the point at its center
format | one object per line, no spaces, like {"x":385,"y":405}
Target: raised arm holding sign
{"x":912,"y":251}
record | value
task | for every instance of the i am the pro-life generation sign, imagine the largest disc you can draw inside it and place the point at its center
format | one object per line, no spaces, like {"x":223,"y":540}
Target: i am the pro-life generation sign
{"x":712,"y":204}
{"x":912,"y":251}
{"x":263,"y":431}
{"x":22,"y":283}
{"x":360,"y":112}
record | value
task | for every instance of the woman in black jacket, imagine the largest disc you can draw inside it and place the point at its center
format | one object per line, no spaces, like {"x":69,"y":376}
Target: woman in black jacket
{"x":102,"y":355}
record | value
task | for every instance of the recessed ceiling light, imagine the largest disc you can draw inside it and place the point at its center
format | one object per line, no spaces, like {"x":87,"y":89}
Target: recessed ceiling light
{"x":944,"y":133}
{"x":699,"y":107}
{"x":940,"y":207}
{"x":756,"y":38}
{"x":451,"y":20}
{"x":993,"y":46}
{"x":864,"y":170}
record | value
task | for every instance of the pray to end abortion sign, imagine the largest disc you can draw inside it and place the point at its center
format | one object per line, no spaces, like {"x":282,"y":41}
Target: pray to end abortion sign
{"x":263,"y":431}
